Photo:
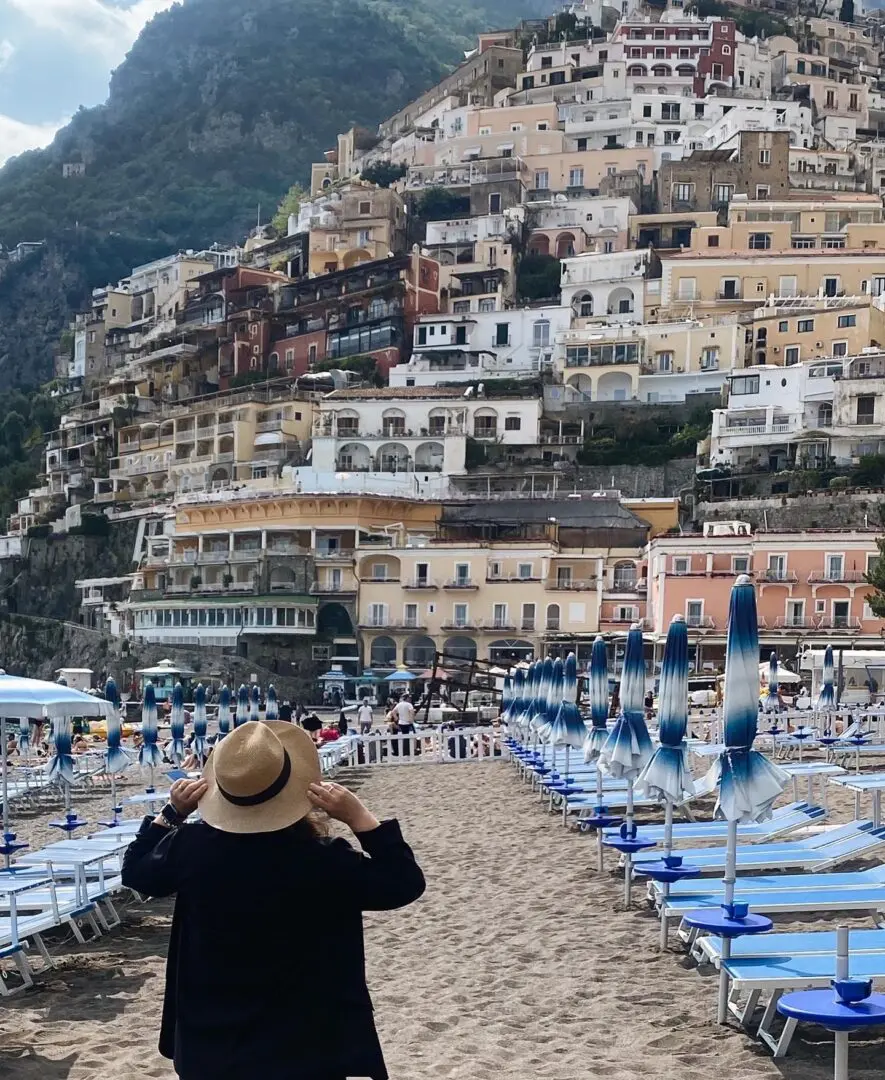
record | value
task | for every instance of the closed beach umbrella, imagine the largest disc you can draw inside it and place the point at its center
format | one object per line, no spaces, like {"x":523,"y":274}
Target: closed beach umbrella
{"x":773,"y":701}
{"x":116,"y":759}
{"x":748,"y":782}
{"x":506,"y":698}
{"x":242,"y":714}
{"x":200,"y":722}
{"x":254,"y":702}
{"x":61,"y":764}
{"x":528,"y":700}
{"x":24,"y":736}
{"x":176,"y":721}
{"x":553,"y":701}
{"x":567,"y":728}
{"x":667,"y":775}
{"x":517,"y":705}
{"x":149,"y":755}
{"x":628,"y":748}
{"x":224,"y":712}
{"x":827,"y":700}
{"x":542,"y":691}
{"x":597,"y":736}
{"x":271,"y":708}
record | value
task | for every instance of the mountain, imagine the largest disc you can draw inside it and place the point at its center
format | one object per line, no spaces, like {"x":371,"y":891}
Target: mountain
{"x":218,"y":108}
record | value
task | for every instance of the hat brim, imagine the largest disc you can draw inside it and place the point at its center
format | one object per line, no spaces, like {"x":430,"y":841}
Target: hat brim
{"x":284,"y":809}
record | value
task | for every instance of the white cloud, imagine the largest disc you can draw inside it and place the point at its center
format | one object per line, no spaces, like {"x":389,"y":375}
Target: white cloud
{"x":7,"y":51}
{"x":93,"y":25}
{"x":16,"y":137}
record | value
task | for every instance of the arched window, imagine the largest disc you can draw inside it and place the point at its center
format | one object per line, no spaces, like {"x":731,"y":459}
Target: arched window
{"x":583,"y":305}
{"x":553,"y":617}
{"x":541,"y":334}
{"x":726,"y":50}
{"x":825,"y":414}
{"x":624,"y":575}
{"x":273,"y":361}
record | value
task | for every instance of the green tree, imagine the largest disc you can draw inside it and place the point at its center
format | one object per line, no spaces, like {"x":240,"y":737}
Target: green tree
{"x":14,"y":432}
{"x":290,"y":204}
{"x":383,"y":173}
{"x":875,"y":576}
{"x":438,"y":203}
{"x":539,"y":277}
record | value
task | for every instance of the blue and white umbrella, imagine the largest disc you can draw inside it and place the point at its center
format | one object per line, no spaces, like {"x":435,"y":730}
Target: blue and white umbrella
{"x":271,"y":707}
{"x":506,"y":698}
{"x":597,"y":736}
{"x":255,"y":702}
{"x":149,"y":755}
{"x":224,"y":712}
{"x":827,"y":701}
{"x":116,"y":759}
{"x":567,"y":728}
{"x":242,"y":714}
{"x":553,"y":701}
{"x":176,"y":724}
{"x":517,"y":707}
{"x":542,"y":691}
{"x":528,"y":700}
{"x":402,"y":674}
{"x":667,"y":775}
{"x":628,"y":748}
{"x":201,"y":723}
{"x":748,"y":782}
{"x":773,"y":701}
{"x":61,"y":764}
{"x":24,"y":736}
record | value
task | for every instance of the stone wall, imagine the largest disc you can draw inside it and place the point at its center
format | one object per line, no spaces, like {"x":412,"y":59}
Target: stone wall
{"x":639,"y":481}
{"x":812,"y":510}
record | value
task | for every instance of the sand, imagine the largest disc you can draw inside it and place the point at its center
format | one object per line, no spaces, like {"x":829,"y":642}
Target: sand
{"x":519,"y":964}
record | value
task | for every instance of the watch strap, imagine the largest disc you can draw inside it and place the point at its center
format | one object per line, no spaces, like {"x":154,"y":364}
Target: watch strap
{"x":172,"y":816}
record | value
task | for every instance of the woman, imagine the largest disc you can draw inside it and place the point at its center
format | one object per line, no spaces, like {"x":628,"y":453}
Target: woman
{"x":252,"y":990}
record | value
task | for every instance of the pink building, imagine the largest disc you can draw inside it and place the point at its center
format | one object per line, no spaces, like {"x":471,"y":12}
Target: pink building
{"x":810,"y":588}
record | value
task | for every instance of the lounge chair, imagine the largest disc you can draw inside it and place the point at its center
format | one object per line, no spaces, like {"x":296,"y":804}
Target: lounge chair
{"x":875,"y":875}
{"x":819,"y":852}
{"x":785,"y":819}
{"x":796,"y":943}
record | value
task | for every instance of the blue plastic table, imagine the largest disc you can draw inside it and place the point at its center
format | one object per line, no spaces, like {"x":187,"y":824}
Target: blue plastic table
{"x":728,"y":922}
{"x":667,"y":870}
{"x":599,"y":820}
{"x":628,"y":846}
{"x":830,"y":1010}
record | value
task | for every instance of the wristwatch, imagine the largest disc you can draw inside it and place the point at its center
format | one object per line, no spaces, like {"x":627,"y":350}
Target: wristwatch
{"x":171,"y":816}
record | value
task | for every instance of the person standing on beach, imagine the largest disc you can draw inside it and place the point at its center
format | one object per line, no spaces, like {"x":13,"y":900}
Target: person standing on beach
{"x":404,"y":712}
{"x":248,"y":982}
{"x":366,"y":717}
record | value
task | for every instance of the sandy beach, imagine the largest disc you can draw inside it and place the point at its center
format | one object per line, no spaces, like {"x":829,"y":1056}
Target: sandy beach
{"x":519,"y":963}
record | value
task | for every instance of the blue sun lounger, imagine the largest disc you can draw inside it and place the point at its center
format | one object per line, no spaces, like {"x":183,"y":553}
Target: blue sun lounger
{"x":875,"y":875}
{"x":795,"y":943}
{"x":772,"y":975}
{"x":785,"y":819}
{"x":819,"y":852}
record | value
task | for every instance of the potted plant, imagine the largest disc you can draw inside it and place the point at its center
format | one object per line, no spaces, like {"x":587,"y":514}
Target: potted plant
{"x":227,"y":580}
{"x":196,"y":581}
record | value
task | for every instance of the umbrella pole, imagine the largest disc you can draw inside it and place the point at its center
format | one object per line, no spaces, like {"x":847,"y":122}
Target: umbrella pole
{"x":730,"y":874}
{"x":665,"y":885}
{"x":628,"y":858}
{"x":600,"y":850}
{"x":5,"y":767}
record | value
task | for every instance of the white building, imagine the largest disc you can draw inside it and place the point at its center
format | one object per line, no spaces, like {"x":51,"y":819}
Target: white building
{"x":608,"y":286}
{"x":514,"y":343}
{"x":415,"y":431}
{"x":812,"y":414}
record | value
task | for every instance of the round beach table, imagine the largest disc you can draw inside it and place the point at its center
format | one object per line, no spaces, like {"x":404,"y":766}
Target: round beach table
{"x":666,"y":870}
{"x":830,"y":1009}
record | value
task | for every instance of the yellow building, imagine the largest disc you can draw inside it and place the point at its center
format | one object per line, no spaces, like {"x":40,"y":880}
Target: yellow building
{"x":354,"y":223}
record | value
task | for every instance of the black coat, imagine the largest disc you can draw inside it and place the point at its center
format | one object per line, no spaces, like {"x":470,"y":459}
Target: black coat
{"x":266,"y":969}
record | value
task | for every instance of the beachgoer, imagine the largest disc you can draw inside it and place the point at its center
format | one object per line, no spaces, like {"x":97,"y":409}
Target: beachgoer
{"x":405,"y":716}
{"x":312,"y":723}
{"x":328,"y":734}
{"x":366,"y":717}
{"x":286,"y":713}
{"x":342,"y":723}
{"x":258,"y":859}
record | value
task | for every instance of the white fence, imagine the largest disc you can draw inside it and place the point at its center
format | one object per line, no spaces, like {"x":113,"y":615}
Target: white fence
{"x":430,"y":746}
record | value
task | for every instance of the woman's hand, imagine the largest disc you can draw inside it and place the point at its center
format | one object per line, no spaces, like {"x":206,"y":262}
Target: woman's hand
{"x":186,"y":794}
{"x":344,"y":806}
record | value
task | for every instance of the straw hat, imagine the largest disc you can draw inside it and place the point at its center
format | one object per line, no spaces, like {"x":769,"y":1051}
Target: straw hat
{"x":258,"y":778}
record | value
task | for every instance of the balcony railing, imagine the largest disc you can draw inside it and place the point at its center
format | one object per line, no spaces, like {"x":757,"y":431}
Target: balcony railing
{"x":700,"y":622}
{"x":461,"y":583}
{"x":628,"y":585}
{"x":178,"y":558}
{"x":405,"y":625}
{"x":571,"y":584}
{"x":782,"y":577}
{"x":245,"y":555}
{"x":324,"y":588}
{"x":620,"y":620}
{"x":553,"y":626}
{"x":214,"y":557}
{"x":836,"y":577}
{"x":795,"y":622}
{"x":460,"y":624}
{"x":394,"y":580}
{"x":839,"y":622}
{"x":420,"y":583}
{"x":338,"y":555}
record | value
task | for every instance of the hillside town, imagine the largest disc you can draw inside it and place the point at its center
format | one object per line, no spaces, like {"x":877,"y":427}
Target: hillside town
{"x":590,"y":328}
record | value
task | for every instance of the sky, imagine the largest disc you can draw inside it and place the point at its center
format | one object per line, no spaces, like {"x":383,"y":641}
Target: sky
{"x":56,"y":55}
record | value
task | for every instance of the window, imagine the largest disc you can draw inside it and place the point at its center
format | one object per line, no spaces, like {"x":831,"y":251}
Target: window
{"x":726,"y":50}
{"x":722,"y":193}
{"x":840,"y":348}
{"x":459,"y":615}
{"x":524,"y":571}
{"x":488,"y":304}
{"x":788,"y":285}
{"x":670,"y":111}
{"x":791,"y":355}
{"x":825,"y":414}
{"x":831,"y":99}
{"x":777,"y":567}
{"x":664,"y":361}
{"x":783,"y":326}
{"x":553,"y":617}
{"x":834,"y":564}
{"x":745,"y":384}
{"x":841,"y":614}
{"x":363,"y":237}
{"x":461,"y":307}
{"x":646,"y":111}
{"x":682,"y":565}
{"x":499,"y":616}
{"x":847,"y":320}
{"x":687,"y":288}
{"x":495,"y":203}
{"x":576,"y":178}
{"x":502,"y":333}
{"x":866,"y":407}
{"x":462,"y":573}
{"x":694,"y":612}
{"x":763,"y":191}
{"x":542,"y":180}
{"x":365,"y":208}
{"x":760,"y":241}
{"x":717,"y":71}
{"x":740,"y":564}
{"x":683,"y":193}
{"x":795,"y":614}
{"x":512,"y":423}
{"x":805,"y":326}
{"x":378,"y":615}
{"x":710,"y":359}
{"x":541,"y":334}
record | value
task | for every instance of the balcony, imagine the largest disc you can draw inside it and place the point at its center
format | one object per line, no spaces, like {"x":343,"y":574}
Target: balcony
{"x":336,"y":555}
{"x":239,"y":555}
{"x":620,"y":620}
{"x":421,"y":583}
{"x":406,"y":626}
{"x":571,"y":584}
{"x":794,"y":622}
{"x":214,"y":557}
{"x":141,"y":595}
{"x":460,"y":624}
{"x":379,"y":581}
{"x":700,"y":622}
{"x":778,"y":577}
{"x":844,"y":623}
{"x":628,"y":585}
{"x":842,"y":577}
{"x":180,"y":558}
{"x":476,"y":172}
{"x":461,"y":583}
{"x":322,"y":588}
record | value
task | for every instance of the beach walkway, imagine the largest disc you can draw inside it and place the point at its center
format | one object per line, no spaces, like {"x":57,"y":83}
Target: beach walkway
{"x":516,"y":965}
